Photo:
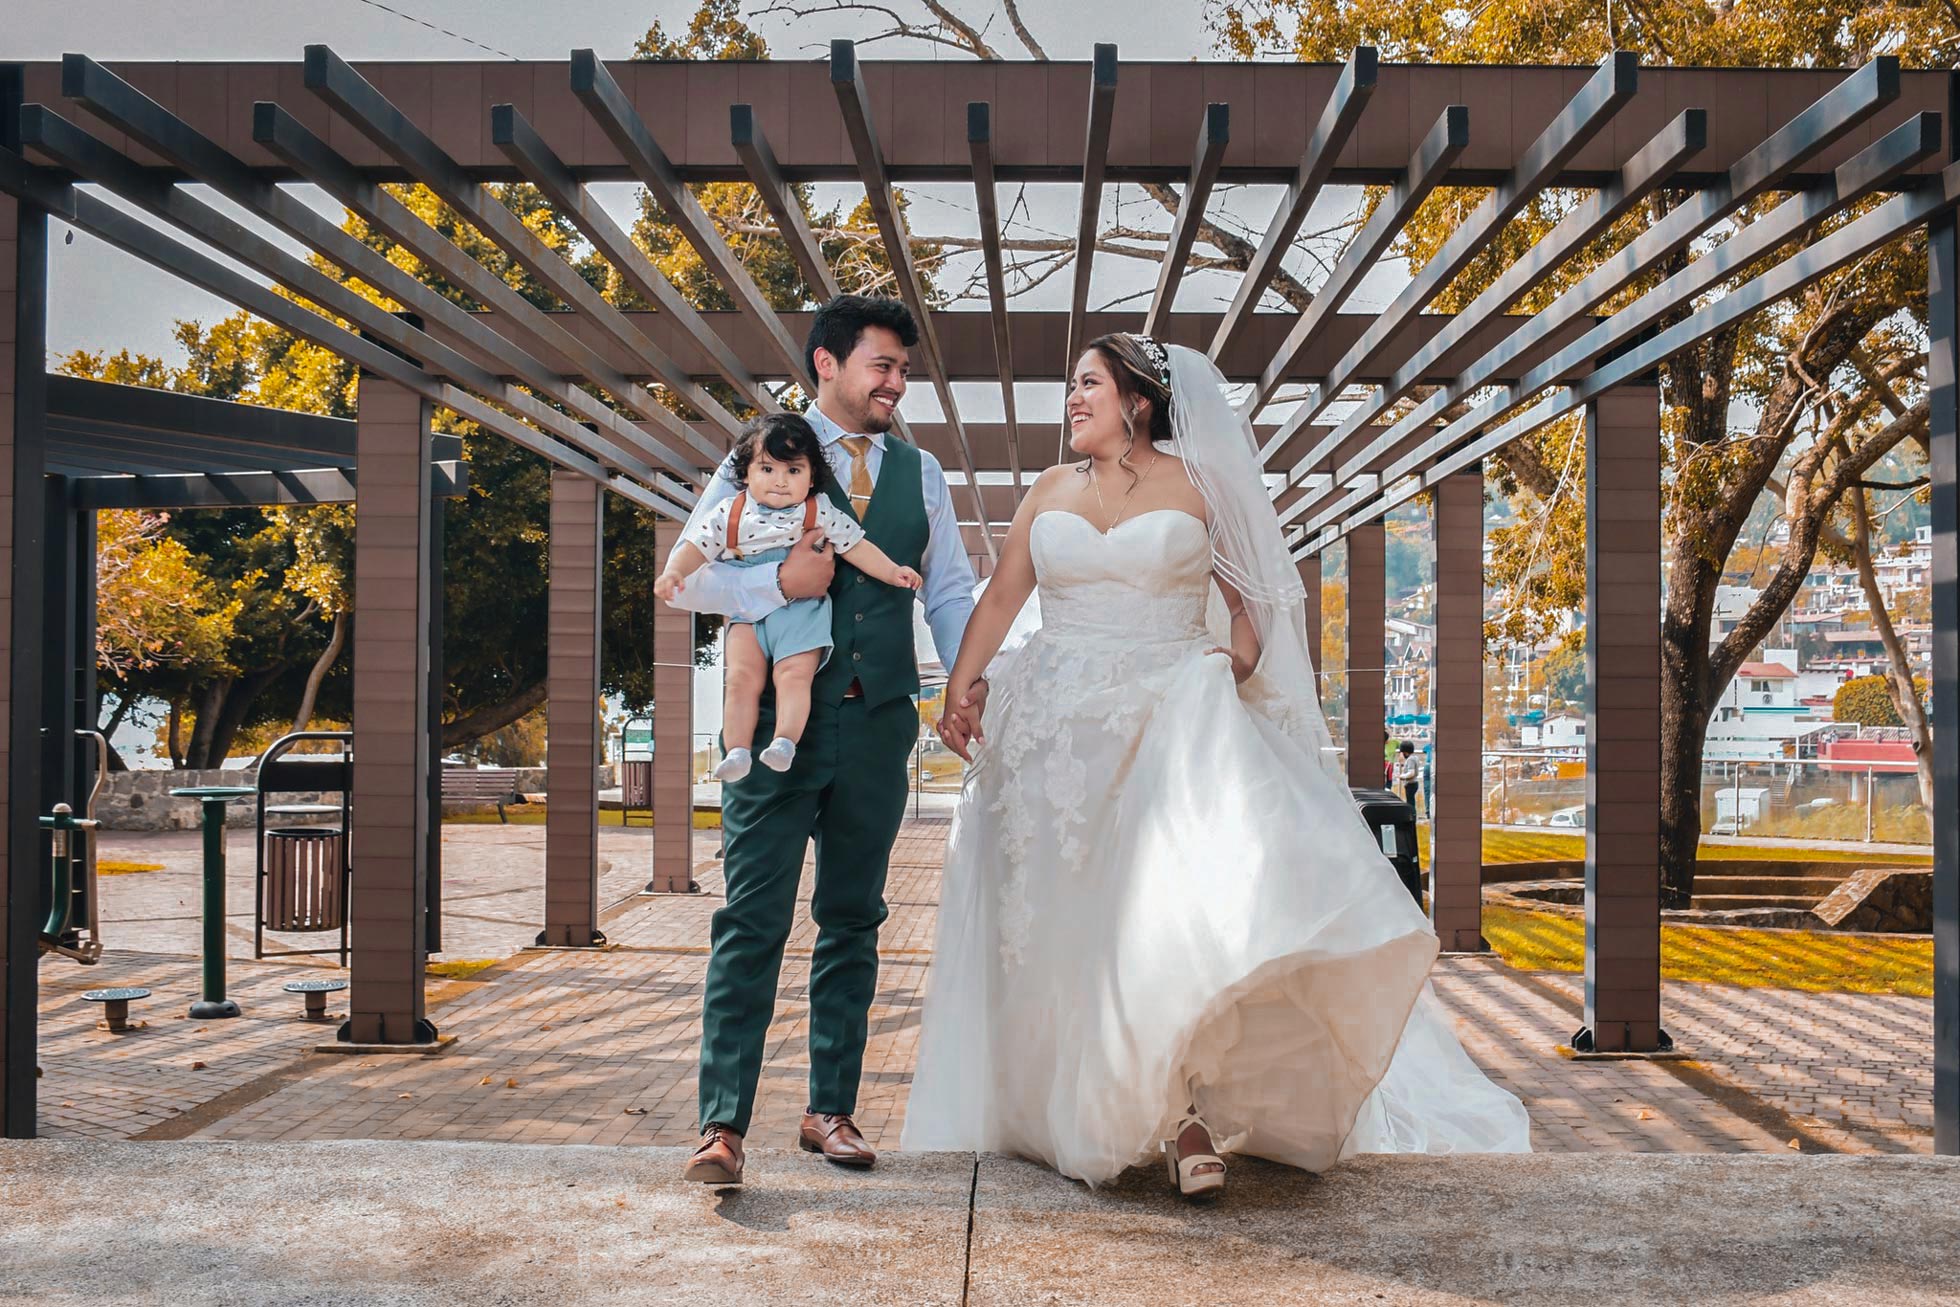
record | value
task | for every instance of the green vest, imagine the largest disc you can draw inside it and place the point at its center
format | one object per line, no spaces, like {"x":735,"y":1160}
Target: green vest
{"x":871,"y":622}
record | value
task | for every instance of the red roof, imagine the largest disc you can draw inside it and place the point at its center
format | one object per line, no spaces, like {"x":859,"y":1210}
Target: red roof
{"x":1767,"y":671}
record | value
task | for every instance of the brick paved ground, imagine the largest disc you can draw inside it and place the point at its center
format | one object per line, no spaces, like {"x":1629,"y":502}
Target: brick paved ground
{"x":493,"y":897}
{"x":601,"y":1049}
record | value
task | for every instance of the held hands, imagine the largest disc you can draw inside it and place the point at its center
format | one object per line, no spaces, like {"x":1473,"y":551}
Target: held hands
{"x":667,"y":585}
{"x":959,"y":725}
{"x":808,"y":570}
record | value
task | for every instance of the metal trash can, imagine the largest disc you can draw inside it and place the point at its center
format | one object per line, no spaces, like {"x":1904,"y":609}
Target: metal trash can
{"x":1393,"y":823}
{"x":303,"y":881}
{"x":636,"y":783}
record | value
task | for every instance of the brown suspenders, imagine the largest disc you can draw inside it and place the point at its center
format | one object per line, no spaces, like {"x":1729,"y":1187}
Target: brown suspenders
{"x":741,"y":501}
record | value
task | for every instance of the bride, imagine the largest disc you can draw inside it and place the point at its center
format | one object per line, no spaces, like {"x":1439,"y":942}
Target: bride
{"x":1164,"y":926}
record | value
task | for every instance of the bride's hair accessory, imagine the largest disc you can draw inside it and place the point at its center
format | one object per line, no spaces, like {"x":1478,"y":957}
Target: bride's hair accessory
{"x":1159,"y":357}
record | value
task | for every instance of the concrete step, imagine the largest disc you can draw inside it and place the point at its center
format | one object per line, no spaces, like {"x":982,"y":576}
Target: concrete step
{"x":428,"y":1223}
{"x":1730,"y":902}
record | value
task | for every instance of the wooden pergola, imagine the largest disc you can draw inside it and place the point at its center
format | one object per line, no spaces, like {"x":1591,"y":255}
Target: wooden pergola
{"x":584,"y":385}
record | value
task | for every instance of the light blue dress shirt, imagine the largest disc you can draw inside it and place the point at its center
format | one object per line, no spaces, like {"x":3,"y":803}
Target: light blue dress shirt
{"x":748,"y":594}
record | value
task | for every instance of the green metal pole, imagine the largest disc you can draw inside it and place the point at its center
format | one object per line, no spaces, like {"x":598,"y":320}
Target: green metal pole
{"x":61,"y":903}
{"x":214,"y":1003}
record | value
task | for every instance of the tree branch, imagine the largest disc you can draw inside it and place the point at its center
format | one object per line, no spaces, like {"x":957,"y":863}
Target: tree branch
{"x":1013,"y":9}
{"x":492,"y":717}
{"x":1806,"y":526}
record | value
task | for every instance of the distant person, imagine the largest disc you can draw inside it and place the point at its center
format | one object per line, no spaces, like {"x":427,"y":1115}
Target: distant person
{"x":1408,"y":773}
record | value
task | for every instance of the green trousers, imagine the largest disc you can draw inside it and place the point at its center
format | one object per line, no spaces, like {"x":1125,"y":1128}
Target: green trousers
{"x":847,"y":790}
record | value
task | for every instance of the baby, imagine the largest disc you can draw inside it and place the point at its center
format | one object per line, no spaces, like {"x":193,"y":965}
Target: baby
{"x":779,"y":460}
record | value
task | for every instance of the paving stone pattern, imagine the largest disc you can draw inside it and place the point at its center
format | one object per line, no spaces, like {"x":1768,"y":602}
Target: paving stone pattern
{"x":600,"y":1047}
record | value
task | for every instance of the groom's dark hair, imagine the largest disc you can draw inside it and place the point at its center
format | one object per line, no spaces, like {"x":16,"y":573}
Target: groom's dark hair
{"x":840,"y":322}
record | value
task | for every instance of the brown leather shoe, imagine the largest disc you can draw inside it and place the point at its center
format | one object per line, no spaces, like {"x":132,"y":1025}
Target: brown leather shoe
{"x":836,"y":1136}
{"x":719,"y":1158}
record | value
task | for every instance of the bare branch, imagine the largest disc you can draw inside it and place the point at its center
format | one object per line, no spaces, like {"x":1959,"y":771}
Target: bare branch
{"x":963,"y":37}
{"x":1238,"y":251}
{"x":1013,"y":8}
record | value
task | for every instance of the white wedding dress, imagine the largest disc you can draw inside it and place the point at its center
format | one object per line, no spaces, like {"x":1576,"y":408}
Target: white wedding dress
{"x":1154,"y":895}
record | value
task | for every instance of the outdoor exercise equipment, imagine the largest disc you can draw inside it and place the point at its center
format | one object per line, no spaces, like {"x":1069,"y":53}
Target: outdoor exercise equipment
{"x":316,"y":992}
{"x":115,"y":1006}
{"x":212,"y":799}
{"x":72,"y":927}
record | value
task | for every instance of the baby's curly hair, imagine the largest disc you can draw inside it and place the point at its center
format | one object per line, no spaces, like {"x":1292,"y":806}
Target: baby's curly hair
{"x":786,"y":436}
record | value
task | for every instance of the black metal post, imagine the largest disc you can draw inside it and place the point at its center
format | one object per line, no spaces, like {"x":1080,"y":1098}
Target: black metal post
{"x":60,"y":780}
{"x":1943,"y":387}
{"x":438,"y":682}
{"x":23,"y":875}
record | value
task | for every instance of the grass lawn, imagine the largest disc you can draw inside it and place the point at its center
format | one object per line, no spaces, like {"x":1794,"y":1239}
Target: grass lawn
{"x":1775,"y":959}
{"x":460,"y":969}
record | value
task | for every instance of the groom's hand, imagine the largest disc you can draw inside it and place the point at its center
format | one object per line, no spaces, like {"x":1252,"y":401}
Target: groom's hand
{"x":954,"y":735}
{"x":807,"y":572}
{"x":973,"y":706}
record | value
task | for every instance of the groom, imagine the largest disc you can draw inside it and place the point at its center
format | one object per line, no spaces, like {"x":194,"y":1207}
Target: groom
{"x":847,"y":786}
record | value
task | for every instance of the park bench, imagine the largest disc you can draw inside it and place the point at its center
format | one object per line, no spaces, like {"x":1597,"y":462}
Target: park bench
{"x":496,"y":785}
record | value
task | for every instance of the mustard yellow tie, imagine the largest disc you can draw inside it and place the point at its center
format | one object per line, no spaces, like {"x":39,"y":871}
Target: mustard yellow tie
{"x":859,"y":446}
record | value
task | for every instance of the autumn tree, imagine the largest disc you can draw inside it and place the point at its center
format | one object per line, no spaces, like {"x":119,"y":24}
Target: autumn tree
{"x":1830,"y":383}
{"x":1864,"y":701}
{"x":256,"y":634}
{"x":286,"y":574}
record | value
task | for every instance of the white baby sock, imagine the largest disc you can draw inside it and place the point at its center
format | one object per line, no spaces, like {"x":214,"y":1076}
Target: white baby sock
{"x":735,"y":766}
{"x":780,"y":754}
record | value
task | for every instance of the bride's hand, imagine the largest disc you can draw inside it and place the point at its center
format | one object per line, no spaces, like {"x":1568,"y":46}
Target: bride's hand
{"x":1241,"y":671}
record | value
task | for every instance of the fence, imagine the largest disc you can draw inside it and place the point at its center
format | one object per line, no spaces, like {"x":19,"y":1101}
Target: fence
{"x":1771,"y":797}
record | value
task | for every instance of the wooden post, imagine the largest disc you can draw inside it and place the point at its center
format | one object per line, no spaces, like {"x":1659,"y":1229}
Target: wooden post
{"x":1310,"y":581}
{"x":1367,"y":653}
{"x":673,"y":739}
{"x":391,"y":737}
{"x":571,"y":827}
{"x":1456,"y":837}
{"x":1623,"y":722}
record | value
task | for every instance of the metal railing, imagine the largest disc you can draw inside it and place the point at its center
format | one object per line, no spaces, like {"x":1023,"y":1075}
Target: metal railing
{"x":1765,"y":795}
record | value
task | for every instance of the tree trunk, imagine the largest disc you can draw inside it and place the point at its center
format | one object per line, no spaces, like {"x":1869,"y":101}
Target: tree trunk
{"x":1898,"y":668}
{"x":1685,"y":708}
{"x":174,"y":737}
{"x":321,"y":666}
{"x":239,"y":697}
{"x":210,"y":703}
{"x":116,"y":762}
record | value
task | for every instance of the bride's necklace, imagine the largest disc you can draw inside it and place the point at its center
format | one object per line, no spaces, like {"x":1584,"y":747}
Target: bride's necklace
{"x":1123,"y":504}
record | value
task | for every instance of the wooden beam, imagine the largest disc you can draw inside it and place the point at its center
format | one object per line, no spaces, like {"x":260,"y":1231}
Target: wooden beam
{"x":847,"y":81}
{"x":1214,"y":134}
{"x":613,"y":111}
{"x":979,"y":139}
{"x":1095,"y":163}
{"x":1330,"y":136}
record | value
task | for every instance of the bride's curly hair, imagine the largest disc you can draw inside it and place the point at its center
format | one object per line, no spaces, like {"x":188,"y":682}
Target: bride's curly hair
{"x":1137,"y":377}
